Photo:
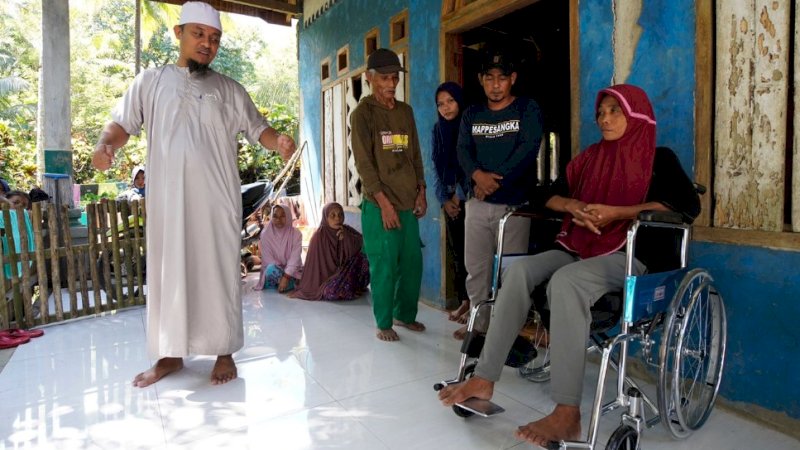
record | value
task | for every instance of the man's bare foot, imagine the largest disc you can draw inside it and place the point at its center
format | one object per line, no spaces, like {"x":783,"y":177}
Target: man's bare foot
{"x":463,"y":308}
{"x":413,"y":326}
{"x":564,"y":423}
{"x":160,"y":369}
{"x":387,"y":335}
{"x":224,"y":370}
{"x":475,"y":387}
{"x":464,"y":318}
{"x":460,"y":333}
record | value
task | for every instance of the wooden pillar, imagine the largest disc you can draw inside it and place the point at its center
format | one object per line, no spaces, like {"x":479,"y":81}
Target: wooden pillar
{"x":54,"y":113}
{"x":750,"y":127}
{"x":796,"y":157}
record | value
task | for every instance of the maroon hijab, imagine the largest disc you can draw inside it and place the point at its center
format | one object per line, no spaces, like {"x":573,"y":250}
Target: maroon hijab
{"x":326,"y":256}
{"x":615,"y":173}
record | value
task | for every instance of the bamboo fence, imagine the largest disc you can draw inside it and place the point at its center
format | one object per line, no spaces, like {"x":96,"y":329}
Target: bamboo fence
{"x":105,"y":273}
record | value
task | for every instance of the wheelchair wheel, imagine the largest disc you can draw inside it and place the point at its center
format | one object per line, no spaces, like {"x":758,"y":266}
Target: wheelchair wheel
{"x":692,"y":354}
{"x":624,"y":438}
{"x":538,"y":370}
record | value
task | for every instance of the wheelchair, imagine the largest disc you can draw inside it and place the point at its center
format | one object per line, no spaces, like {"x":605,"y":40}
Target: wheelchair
{"x":673,"y":312}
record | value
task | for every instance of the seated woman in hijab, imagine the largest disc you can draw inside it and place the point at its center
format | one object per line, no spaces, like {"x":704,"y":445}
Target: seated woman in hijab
{"x":606,"y":187}
{"x":336,"y":267}
{"x":281,"y":244}
{"x":136,"y":191}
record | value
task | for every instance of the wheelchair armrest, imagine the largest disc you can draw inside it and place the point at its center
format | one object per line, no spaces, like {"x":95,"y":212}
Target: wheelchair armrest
{"x":661,"y":216}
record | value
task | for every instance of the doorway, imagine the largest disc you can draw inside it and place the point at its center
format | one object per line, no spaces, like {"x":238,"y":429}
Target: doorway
{"x":537,"y":38}
{"x":540,"y":35}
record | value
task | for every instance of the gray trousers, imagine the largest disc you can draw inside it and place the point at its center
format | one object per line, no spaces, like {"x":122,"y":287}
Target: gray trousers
{"x":575,"y":284}
{"x":481,"y":226}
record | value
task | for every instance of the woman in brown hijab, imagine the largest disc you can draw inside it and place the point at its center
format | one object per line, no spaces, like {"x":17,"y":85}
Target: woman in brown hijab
{"x":336,"y":267}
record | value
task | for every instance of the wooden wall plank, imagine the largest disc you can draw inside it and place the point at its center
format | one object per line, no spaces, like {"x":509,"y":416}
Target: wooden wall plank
{"x":339,"y":145}
{"x":703,"y":107}
{"x":796,"y":143}
{"x":750,"y":137}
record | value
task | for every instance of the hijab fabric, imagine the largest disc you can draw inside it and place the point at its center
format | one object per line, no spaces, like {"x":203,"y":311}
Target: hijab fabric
{"x":445,"y":138}
{"x":615,"y":173}
{"x":281,"y":247}
{"x":327,"y":255}
{"x":135,"y":172}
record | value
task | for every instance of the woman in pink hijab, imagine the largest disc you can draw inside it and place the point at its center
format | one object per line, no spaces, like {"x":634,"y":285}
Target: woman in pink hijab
{"x":336,"y":267}
{"x":281,"y":244}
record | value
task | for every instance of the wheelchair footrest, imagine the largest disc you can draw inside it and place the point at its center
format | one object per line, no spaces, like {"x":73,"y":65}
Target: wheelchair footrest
{"x":483,"y":408}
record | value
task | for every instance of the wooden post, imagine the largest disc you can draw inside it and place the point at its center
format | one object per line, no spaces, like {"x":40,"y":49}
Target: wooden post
{"x":54,"y":265}
{"x":91,"y":215}
{"x":13,"y":259}
{"x":81,"y":256}
{"x":5,"y":284}
{"x":114,"y":225}
{"x":27,"y":304}
{"x":70,"y":255}
{"x":104,"y":248}
{"x":137,"y":254}
{"x":41,"y":261}
{"x":127,"y":251}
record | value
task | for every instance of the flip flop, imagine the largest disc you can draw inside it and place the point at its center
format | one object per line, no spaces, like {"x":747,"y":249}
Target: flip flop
{"x":19,"y":333}
{"x":9,"y":342}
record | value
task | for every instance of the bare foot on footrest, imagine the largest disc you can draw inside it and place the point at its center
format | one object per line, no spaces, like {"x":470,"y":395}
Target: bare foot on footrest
{"x":475,"y":387}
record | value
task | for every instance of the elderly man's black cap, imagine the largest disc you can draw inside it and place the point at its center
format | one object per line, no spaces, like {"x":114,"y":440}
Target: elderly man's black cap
{"x":384,"y":60}
{"x":496,"y":59}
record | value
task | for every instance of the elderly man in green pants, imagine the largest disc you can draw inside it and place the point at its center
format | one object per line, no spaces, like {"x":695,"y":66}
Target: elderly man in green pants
{"x":387,"y":155}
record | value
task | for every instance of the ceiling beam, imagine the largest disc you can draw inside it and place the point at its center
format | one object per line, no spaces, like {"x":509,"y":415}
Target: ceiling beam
{"x":272,"y":5}
{"x":249,"y":8}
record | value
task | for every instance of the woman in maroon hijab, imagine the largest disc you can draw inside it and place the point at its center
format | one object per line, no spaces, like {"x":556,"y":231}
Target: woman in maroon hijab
{"x":336,"y":267}
{"x":606,"y":187}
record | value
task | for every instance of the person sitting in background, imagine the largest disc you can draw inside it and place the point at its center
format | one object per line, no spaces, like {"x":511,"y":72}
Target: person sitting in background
{"x":281,"y":244}
{"x":136,"y":191}
{"x":18,"y":199}
{"x":336,"y":267}
{"x":4,"y":188}
{"x":38,"y":195}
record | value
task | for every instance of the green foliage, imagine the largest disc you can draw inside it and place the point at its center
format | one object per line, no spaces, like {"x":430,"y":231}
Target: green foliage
{"x":91,"y":197}
{"x":256,"y":163}
{"x":102,"y":52}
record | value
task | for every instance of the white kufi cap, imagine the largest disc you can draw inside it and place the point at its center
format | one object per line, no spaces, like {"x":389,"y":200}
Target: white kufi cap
{"x":200,"y":12}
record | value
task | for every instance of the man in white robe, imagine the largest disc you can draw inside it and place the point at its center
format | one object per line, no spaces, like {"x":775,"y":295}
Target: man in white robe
{"x":192,"y":116}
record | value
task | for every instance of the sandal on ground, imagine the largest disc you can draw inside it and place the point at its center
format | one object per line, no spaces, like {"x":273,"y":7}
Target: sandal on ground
{"x":9,"y":342}
{"x":18,"y":333}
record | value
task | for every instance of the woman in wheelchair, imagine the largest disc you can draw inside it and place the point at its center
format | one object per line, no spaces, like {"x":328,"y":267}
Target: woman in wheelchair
{"x":606,"y":187}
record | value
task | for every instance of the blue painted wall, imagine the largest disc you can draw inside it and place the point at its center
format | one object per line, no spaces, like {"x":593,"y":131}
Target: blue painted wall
{"x":761,"y":287}
{"x":345,"y":23}
{"x":663,"y":66}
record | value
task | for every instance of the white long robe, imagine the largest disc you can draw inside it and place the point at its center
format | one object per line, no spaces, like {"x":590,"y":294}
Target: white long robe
{"x":194,"y":205}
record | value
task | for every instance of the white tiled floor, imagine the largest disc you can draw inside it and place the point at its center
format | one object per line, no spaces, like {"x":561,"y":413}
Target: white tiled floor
{"x":312,"y":375}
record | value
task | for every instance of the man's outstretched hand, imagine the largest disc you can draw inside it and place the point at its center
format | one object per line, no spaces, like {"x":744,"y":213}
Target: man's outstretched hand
{"x":103,"y":156}
{"x":286,"y":146}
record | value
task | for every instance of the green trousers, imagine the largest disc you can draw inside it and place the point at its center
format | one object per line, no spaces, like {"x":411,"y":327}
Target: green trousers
{"x":395,"y":265}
